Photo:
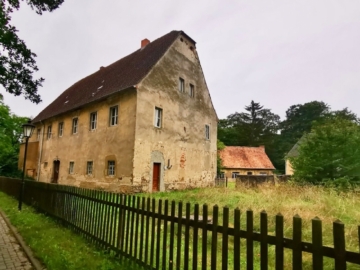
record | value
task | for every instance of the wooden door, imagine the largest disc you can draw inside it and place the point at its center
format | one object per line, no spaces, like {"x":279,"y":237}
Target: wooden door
{"x":156,"y":177}
{"x":56,"y":171}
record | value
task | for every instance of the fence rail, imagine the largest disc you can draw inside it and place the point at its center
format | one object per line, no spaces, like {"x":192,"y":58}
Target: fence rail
{"x":167,"y":235}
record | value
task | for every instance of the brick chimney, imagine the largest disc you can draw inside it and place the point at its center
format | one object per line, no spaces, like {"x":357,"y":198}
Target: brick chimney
{"x":262,"y":147}
{"x":144,"y":42}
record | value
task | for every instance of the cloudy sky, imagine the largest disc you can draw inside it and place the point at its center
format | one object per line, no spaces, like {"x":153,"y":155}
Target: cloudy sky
{"x":278,"y":53}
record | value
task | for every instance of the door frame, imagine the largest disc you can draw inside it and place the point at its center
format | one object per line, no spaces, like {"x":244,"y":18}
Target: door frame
{"x":56,"y":164}
{"x":157,"y":157}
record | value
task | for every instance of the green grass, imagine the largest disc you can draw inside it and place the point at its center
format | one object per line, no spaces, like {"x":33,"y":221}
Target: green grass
{"x":55,"y":246}
{"x":287,"y":199}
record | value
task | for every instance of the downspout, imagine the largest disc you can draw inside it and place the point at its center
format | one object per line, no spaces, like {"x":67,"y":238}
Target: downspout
{"x":40,"y":154}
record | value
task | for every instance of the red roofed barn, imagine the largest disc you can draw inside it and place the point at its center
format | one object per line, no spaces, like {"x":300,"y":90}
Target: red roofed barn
{"x":143,"y":123}
{"x":245,"y":160}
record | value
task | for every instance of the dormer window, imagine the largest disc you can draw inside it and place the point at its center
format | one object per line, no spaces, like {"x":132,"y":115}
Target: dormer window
{"x":181,"y":85}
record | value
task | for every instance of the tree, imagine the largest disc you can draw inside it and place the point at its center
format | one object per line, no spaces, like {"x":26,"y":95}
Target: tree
{"x":256,"y":126}
{"x":330,"y":152}
{"x":17,"y":62}
{"x":10,"y":135}
{"x":220,"y":146}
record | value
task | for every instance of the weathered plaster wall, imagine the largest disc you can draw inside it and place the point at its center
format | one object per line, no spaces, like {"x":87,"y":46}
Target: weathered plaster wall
{"x":181,"y":139}
{"x":100,"y":145}
{"x":32,"y":156}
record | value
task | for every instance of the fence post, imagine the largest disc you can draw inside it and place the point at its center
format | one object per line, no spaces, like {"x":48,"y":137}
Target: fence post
{"x":317,"y":251}
{"x":263,"y":244}
{"x":225,"y":238}
{"x":279,"y":248}
{"x":249,"y":240}
{"x":297,"y":252}
{"x":214,"y":237}
{"x":237,"y":239}
{"x":204,"y":237}
{"x":339,"y":245}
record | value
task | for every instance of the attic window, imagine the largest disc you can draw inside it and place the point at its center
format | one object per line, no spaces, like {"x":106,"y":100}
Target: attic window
{"x":192,"y":91}
{"x":207,"y":132}
{"x":181,"y":39}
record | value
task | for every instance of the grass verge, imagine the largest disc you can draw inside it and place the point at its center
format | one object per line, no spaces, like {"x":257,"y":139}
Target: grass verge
{"x":56,"y":246}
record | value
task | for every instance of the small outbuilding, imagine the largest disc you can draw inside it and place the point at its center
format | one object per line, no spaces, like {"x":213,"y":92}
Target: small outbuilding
{"x":243,"y":160}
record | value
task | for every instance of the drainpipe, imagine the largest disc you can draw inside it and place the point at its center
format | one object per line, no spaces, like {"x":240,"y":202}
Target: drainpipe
{"x":40,"y":154}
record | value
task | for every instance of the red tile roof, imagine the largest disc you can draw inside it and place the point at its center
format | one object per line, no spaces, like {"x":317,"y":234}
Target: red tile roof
{"x":121,"y":75}
{"x":241,"y":157}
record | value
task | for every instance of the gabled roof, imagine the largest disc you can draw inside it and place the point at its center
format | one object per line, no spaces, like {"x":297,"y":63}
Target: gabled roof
{"x":121,"y":75}
{"x":241,"y":157}
{"x":294,"y":152}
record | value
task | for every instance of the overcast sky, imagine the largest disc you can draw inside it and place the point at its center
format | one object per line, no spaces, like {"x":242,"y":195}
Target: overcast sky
{"x":278,"y":53}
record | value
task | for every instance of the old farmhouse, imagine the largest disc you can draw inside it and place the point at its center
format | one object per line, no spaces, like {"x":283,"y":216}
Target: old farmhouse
{"x":143,"y":123}
{"x":242,"y":160}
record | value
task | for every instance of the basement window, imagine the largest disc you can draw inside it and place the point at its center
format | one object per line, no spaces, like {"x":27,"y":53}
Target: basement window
{"x":158,"y":117}
{"x":111,"y":167}
{"x":75,"y":125}
{"x":71,"y":167}
{"x":113,"y":115}
{"x":93,"y":120}
{"x":89,"y":168}
{"x":181,"y":85}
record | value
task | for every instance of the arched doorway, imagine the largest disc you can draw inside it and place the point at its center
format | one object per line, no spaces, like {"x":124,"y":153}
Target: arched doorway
{"x":56,"y":167}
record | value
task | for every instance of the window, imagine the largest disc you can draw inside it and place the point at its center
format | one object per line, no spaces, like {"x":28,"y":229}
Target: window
{"x":192,"y":91}
{"x":111,"y":167}
{"x":93,"y":120}
{"x":75,"y":126}
{"x":158,"y":117}
{"x":89,"y":168}
{"x":249,"y":173}
{"x":38,"y":134}
{"x":71,"y":167}
{"x":49,"y":133}
{"x":113,"y":116}
{"x":207,"y":132}
{"x":263,"y":173}
{"x":181,"y":85}
{"x":61,"y":129}
{"x":234,"y":174}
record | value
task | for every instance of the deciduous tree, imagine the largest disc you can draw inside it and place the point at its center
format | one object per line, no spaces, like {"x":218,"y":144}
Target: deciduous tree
{"x":17,"y":61}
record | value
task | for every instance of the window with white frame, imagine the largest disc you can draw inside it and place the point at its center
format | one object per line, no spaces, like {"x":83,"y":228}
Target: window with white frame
{"x":181,"y":85}
{"x":71,"y":167}
{"x":38,"y":134}
{"x":89,"y":168}
{"x":192,"y":90}
{"x":207,"y":132}
{"x":75,"y":125}
{"x":158,"y":117}
{"x":113,"y":116}
{"x":234,"y":174}
{"x":61,"y":129}
{"x":93,"y":120}
{"x":111,"y":167}
{"x":49,"y":132}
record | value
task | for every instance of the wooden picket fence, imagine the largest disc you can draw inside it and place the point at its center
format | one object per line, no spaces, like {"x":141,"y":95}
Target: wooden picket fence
{"x":168,"y":235}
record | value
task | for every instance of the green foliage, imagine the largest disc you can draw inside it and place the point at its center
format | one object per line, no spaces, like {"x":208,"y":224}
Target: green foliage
{"x":220,"y":146}
{"x":17,"y":62}
{"x":10,"y":134}
{"x":330,"y":153}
